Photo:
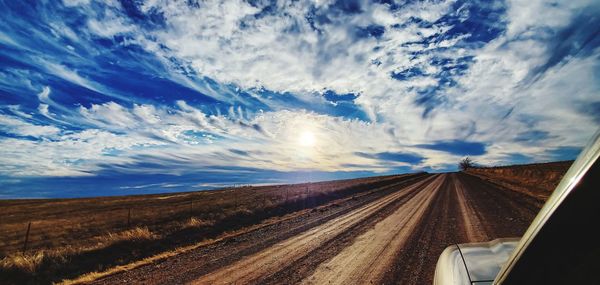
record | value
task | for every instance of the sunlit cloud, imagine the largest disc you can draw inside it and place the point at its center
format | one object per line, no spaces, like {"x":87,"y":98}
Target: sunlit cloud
{"x":253,"y":90}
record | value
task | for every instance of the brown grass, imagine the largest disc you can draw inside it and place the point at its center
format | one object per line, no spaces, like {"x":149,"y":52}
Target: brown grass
{"x":91,"y":276}
{"x":25,"y":262}
{"x":194,"y":222}
{"x":71,"y":237}
{"x":30,"y":262}
{"x":136,"y":234}
{"x":537,"y":180}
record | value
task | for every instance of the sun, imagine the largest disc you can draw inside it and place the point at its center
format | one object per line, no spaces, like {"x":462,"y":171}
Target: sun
{"x":307,"y":139}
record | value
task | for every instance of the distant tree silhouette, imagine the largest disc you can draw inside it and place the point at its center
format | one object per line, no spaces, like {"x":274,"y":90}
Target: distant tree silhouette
{"x":466,"y":163}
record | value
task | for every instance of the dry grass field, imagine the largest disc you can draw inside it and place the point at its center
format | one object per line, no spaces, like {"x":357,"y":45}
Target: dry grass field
{"x":537,"y":180}
{"x":69,"y":237}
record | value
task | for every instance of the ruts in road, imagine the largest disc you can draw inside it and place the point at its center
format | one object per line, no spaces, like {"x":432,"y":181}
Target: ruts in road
{"x":394,"y":235}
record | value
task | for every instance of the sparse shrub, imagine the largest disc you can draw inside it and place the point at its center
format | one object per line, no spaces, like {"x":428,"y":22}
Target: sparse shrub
{"x":268,"y":203}
{"x":135,"y":234}
{"x":22,"y":262}
{"x":31,"y":263}
{"x":196,"y":223}
{"x":240,"y":211}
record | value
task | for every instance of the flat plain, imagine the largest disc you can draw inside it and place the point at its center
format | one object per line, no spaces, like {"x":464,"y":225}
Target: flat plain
{"x":382,"y":230}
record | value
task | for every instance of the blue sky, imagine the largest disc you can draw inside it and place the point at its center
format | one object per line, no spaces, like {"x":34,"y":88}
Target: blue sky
{"x":130,"y":97}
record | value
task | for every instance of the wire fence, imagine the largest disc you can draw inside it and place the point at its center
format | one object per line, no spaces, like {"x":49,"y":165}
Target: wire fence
{"x":77,"y":223}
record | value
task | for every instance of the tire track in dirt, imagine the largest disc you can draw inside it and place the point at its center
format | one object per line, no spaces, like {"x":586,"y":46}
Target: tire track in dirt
{"x":253,"y":268}
{"x":298,"y":270}
{"x":190,"y":265}
{"x":368,"y":258}
{"x":471,"y":219}
{"x":503,"y":212}
{"x":466,"y":209}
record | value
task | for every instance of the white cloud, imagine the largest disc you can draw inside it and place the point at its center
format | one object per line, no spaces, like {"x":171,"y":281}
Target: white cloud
{"x":16,"y":109}
{"x":527,"y":15}
{"x":185,"y":138}
{"x":68,"y":75}
{"x":492,"y":102}
{"x":19,"y":127}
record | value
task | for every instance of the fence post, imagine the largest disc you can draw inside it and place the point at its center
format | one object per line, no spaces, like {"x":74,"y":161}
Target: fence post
{"x":306,"y":201}
{"x":235,"y":202}
{"x":287,"y":190}
{"x":128,"y":217}
{"x":26,"y":237}
{"x":191,"y":207}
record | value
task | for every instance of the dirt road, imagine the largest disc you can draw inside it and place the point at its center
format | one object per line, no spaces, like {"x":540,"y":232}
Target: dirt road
{"x":391,"y":236}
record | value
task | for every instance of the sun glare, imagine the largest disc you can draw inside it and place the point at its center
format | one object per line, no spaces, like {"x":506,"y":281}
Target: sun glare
{"x":307,"y":139}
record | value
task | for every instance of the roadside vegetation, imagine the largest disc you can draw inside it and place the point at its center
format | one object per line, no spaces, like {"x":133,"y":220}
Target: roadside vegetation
{"x":537,"y":180}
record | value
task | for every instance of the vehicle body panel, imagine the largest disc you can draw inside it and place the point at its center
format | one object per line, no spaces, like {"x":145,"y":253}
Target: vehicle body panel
{"x":559,"y":247}
{"x":473,"y":263}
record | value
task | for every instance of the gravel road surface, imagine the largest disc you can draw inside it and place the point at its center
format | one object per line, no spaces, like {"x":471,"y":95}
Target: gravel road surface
{"x":391,"y":235}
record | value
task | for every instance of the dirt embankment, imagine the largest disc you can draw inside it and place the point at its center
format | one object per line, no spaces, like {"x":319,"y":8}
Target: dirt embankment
{"x":537,"y":180}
